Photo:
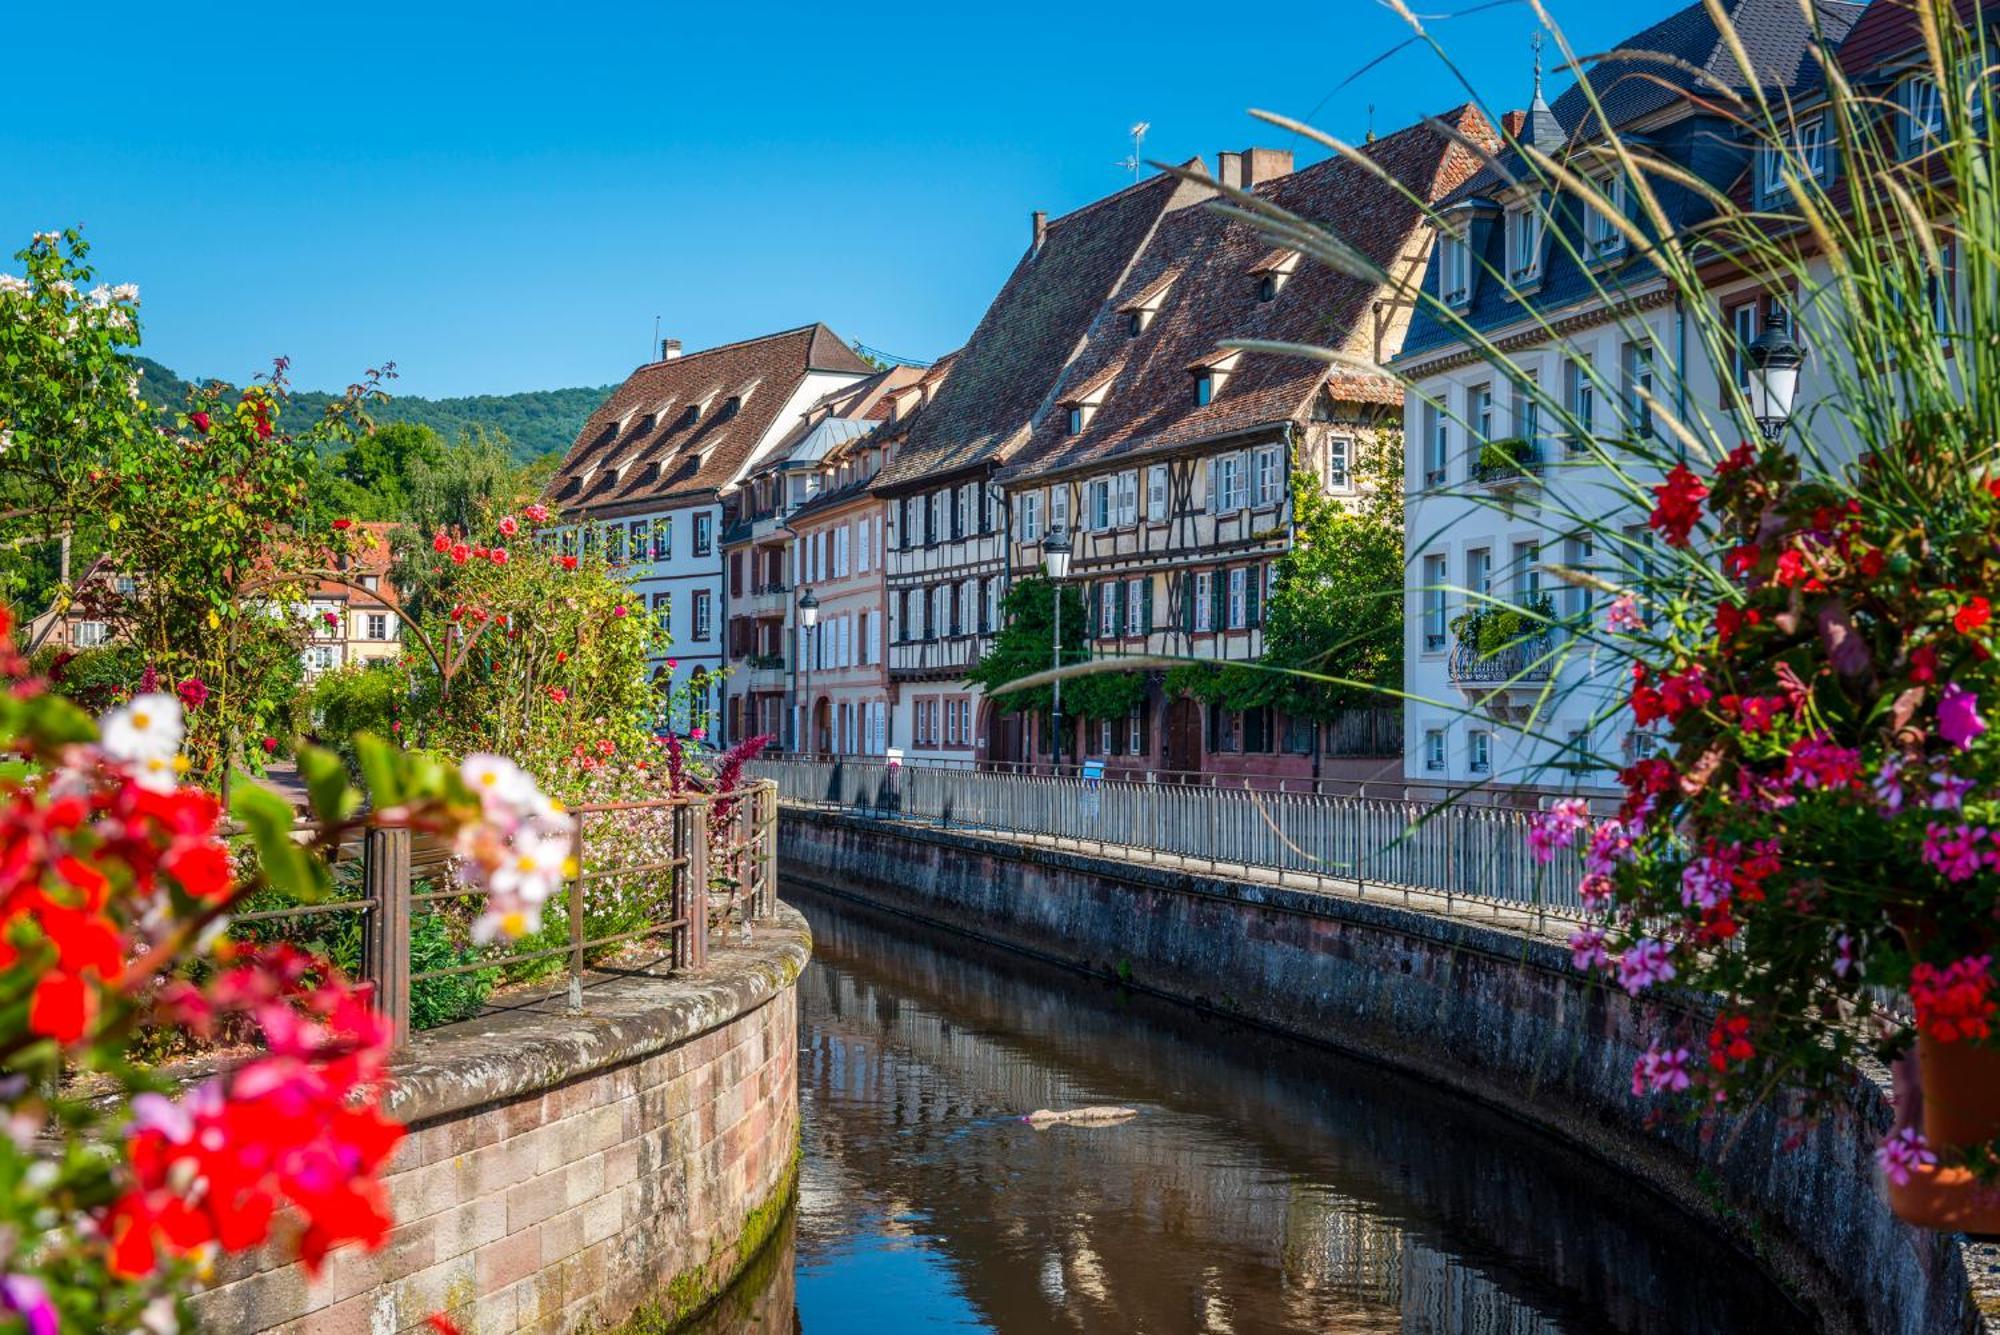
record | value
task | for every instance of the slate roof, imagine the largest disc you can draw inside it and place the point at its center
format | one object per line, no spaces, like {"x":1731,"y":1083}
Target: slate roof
{"x":1779,"y":41}
{"x":638,"y":449}
{"x":888,"y":437}
{"x":1006,"y":376}
{"x":1891,"y":28}
{"x":1148,"y":391}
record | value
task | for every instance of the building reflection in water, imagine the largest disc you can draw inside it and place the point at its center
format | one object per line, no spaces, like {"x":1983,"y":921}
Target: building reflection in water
{"x":1265,"y":1187}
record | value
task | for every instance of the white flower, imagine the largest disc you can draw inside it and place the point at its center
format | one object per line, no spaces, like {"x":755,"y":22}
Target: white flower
{"x":63,"y":286}
{"x":14,"y":283}
{"x":159,"y":774}
{"x":503,"y":786}
{"x":512,"y":921}
{"x":535,"y":867}
{"x":99,"y":295}
{"x":126,"y":292}
{"x":149,"y":728}
{"x":50,"y":237}
{"x":6,"y":440}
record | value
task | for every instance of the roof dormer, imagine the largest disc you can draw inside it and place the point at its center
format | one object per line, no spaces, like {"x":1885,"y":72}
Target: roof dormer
{"x":1212,"y":372}
{"x":1081,"y":404}
{"x":1271,"y":273}
{"x":1145,"y":304}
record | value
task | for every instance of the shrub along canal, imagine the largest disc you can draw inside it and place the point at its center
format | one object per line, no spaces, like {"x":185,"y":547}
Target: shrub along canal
{"x":1265,"y":1185}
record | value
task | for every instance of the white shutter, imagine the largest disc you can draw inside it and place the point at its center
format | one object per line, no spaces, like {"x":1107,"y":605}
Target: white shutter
{"x":1156,"y":493}
{"x":1210,"y":498}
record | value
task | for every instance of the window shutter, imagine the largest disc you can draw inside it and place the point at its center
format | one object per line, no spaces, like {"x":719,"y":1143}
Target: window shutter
{"x":1146,"y":606}
{"x":1219,"y":604}
{"x":1187,"y":601}
{"x":1118,"y":609}
{"x":1253,"y":589}
{"x":1096,"y":611}
{"x":1213,"y":502}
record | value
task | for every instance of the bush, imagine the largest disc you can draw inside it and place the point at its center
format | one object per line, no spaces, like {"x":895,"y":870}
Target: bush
{"x":364,"y":697}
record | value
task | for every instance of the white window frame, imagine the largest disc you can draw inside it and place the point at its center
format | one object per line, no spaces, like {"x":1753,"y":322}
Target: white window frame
{"x":1031,"y":516}
{"x":1523,"y":225}
{"x":1107,"y":610}
{"x":1600,"y":236}
{"x":378,"y":625}
{"x":1454,"y":266}
{"x":1156,"y":494}
{"x":1921,"y":123}
{"x":1437,"y":433}
{"x":1580,"y":397}
{"x":1267,"y":486}
{"x":1239,"y":598}
{"x":1135,"y":606}
{"x":1059,"y":505}
{"x":1204,"y":602}
{"x":704,"y":615}
{"x":1128,"y":499}
{"x":1434,"y":750}
{"x":1437,"y":604}
{"x":1340,"y":463}
{"x":1479,"y":751}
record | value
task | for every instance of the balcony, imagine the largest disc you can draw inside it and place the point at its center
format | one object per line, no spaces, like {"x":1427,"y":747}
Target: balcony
{"x":770,"y":600}
{"x":765,"y":672}
{"x":1501,"y":662}
{"x":1508,"y":463}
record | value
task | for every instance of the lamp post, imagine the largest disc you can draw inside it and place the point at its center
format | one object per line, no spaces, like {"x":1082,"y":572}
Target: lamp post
{"x":1055,"y":559}
{"x":808,"y":618}
{"x":1775,"y":358}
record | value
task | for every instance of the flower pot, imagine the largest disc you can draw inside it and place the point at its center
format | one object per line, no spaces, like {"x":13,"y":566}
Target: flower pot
{"x":1961,"y":1095}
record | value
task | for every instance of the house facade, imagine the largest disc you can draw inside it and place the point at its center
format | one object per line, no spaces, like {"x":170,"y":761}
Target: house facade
{"x":1505,"y":476}
{"x":650,"y":469}
{"x":1172,"y":457}
{"x":947,"y":556}
{"x":355,"y":621}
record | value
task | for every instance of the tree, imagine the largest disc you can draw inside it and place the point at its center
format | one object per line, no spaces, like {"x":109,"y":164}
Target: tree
{"x":374,"y":473}
{"x":1336,"y":608}
{"x":1023,"y":648}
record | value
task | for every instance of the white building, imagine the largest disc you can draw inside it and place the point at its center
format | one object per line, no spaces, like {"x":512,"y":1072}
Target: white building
{"x":650,"y":467}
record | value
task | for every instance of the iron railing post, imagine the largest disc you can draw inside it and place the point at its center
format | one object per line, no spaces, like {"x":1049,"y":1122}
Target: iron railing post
{"x":385,"y":857}
{"x":576,"y":909}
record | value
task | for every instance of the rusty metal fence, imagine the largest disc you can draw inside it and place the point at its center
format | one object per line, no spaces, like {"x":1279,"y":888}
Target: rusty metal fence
{"x":1478,"y":854}
{"x":677,"y":871}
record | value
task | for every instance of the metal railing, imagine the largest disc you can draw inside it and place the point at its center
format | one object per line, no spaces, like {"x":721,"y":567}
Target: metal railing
{"x":706,"y":862}
{"x":1347,"y":844}
{"x":1529,"y":659}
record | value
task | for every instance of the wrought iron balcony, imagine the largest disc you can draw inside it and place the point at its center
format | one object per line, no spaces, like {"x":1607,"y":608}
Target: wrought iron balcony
{"x":1525,"y":661}
{"x":1503,"y":462}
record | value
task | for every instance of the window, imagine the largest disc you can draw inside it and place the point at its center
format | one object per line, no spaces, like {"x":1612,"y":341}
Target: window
{"x":1107,"y":608}
{"x":1527,"y":573}
{"x":319,"y":657}
{"x":1031,"y":517}
{"x":1076,"y":419}
{"x":1479,"y":574}
{"x":636,"y":539}
{"x":1636,"y":360}
{"x":1437,"y":445}
{"x":378,"y":625}
{"x":966,"y":609}
{"x":1339,"y":459}
{"x":1128,"y":499}
{"x":907,"y":615}
{"x":961,"y":510}
{"x":1135,"y":324}
{"x":906,"y":523}
{"x":1479,"y":414}
{"x":940,"y":612}
{"x":1135,"y":731}
{"x":1156,"y":494}
{"x":663,"y":611}
{"x":1059,"y":506}
{"x":934,"y":520}
{"x":1599,"y":232}
{"x":1204,"y":601}
{"x":1097,"y":504}
{"x":1228,"y":484}
{"x":842,"y":537}
{"x":1268,"y":484}
{"x":371,"y":583}
{"x":691,"y":415}
{"x":1580,"y":397}
{"x":1744,"y":324}
{"x":1922,"y":122}
{"x":1138,"y":606}
{"x":704,"y":533}
{"x":1580,"y":554}
{"x":1204,"y":389}
{"x":1524,"y":242}
{"x":1454,"y":267}
{"x":1479,"y":751}
{"x":1239,"y":597}
{"x":92,"y":634}
{"x":730,"y":406}
{"x":990,"y":617}
{"x":985,"y":505}
{"x":1435,"y":598}
{"x":704,"y":607}
{"x":614,"y":544}
{"x":1527,"y":413}
{"x":1267,"y":287}
{"x":1434,"y":749}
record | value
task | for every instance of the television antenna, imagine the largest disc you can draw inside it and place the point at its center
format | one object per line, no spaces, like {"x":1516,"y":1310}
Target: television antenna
{"x":1137,"y":160}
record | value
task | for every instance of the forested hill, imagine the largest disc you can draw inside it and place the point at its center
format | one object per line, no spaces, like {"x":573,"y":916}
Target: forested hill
{"x":535,"y":422}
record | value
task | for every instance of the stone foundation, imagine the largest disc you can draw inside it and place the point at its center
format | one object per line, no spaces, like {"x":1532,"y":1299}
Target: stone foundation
{"x":564,"y":1171}
{"x":1491,"y":1013}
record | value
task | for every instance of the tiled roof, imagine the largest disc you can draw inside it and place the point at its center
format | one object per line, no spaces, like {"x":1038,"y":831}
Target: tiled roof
{"x":1891,"y":28}
{"x":370,"y":558}
{"x":638,"y":447}
{"x":1009,"y":372}
{"x":1149,"y":392}
{"x":887,"y":438}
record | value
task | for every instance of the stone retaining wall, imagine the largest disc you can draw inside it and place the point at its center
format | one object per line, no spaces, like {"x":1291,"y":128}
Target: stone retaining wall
{"x":562,"y":1170}
{"x":1497,"y":1015}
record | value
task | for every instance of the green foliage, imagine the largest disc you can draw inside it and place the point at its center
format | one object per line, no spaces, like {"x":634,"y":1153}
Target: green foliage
{"x":1495,"y":627}
{"x":535,"y":422}
{"x":1024,"y":647}
{"x":1505,"y":458}
{"x":359,"y":698}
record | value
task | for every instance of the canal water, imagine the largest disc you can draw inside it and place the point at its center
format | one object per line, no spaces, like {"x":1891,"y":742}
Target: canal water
{"x":1265,"y":1185}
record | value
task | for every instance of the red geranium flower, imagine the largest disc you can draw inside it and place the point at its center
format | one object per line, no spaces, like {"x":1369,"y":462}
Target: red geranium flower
{"x":440,"y":543}
{"x":1973,"y":616}
{"x":199,"y":421}
{"x":460,"y":553}
{"x":270,"y":745}
{"x":1679,"y":506}
{"x":342,"y":525}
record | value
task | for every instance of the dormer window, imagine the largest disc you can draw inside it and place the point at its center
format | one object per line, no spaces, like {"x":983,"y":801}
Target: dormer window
{"x":729,"y":408}
{"x":692,"y":415}
{"x":1272,"y":271}
{"x":1804,"y":153}
{"x":1076,"y":419}
{"x":1921,"y":124}
{"x":1524,"y":243}
{"x":1267,"y":288}
{"x":1204,"y":388}
{"x":1454,"y":267}
{"x":1210,"y":373}
{"x":1135,"y":323}
{"x":1600,"y":230}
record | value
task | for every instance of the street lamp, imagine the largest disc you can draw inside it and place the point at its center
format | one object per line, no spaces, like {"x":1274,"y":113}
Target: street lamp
{"x":1055,"y":559}
{"x":808,"y":618}
{"x":1775,"y":358}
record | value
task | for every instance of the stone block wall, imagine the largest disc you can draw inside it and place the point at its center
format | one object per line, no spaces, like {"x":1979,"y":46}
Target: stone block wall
{"x":562,"y":1170}
{"x":1495,"y":1015}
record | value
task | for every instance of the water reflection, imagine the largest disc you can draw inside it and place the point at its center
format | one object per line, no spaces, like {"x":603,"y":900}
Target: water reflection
{"x":1265,"y":1186}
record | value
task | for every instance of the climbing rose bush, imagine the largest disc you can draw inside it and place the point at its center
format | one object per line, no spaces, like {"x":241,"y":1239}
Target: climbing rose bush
{"x":123,"y":1183}
{"x":1821,"y":826}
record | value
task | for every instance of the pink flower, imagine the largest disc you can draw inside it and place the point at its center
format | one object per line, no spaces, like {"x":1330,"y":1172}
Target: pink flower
{"x":1955,"y":1003}
{"x":1816,"y":762}
{"x":536,"y":514}
{"x":1595,"y":891}
{"x":1958,"y":716}
{"x":619,"y":610}
{"x":270,"y":745}
{"x":698,"y":734}
{"x":1611,"y":846}
{"x":1657,"y":1072}
{"x":1903,"y":1153}
{"x":1888,"y":785}
{"x":193,"y":692}
{"x":509,"y":526}
{"x":1646,"y":963}
{"x":1623,"y":616}
{"x":1760,"y":712}
{"x":1955,"y":852}
{"x":1557,"y":827}
{"x":1948,"y":792}
{"x":1586,"y":949}
{"x":672,"y":664}
{"x":498,"y":556}
{"x":1705,"y":881}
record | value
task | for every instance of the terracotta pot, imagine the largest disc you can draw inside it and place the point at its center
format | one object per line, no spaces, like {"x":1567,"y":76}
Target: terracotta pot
{"x":1961,"y":1092}
{"x":1949,"y":1200}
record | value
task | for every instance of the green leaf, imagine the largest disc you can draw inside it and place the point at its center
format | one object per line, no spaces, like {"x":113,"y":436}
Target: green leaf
{"x":333,"y":798}
{"x":381,"y":770}
{"x":268,"y":817}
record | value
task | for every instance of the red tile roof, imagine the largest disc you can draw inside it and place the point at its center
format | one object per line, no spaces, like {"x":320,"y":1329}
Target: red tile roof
{"x":1011,"y":371}
{"x":370,"y":558}
{"x":638,"y":449}
{"x":1149,"y":397}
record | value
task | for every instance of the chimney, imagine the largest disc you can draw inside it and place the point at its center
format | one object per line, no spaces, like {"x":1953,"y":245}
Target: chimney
{"x":670,"y":348}
{"x":1513,"y":123}
{"x":1041,"y":223}
{"x":1229,"y":170}
{"x":1266,"y":164}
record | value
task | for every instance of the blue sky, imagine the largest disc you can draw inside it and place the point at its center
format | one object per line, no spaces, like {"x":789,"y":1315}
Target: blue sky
{"x":502,"y":196}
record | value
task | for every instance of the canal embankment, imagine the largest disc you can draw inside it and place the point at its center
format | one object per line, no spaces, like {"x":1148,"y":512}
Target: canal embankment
{"x":564,"y":1169}
{"x":1474,"y":1006}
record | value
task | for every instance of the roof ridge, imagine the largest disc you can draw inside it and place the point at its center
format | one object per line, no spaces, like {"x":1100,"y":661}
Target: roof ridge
{"x":1155,"y":179}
